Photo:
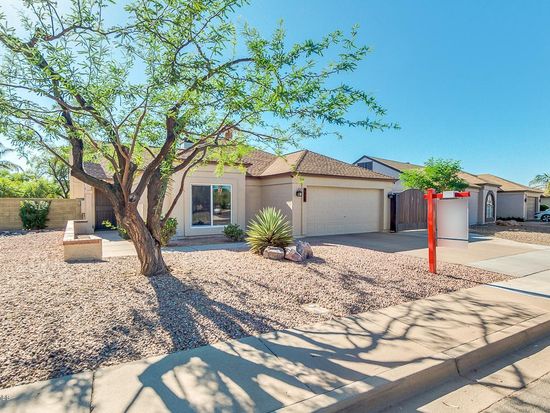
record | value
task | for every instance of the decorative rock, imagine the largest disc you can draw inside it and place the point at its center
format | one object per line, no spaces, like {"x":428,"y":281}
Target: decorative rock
{"x":274,"y":253}
{"x":304,"y":249}
{"x":293,"y":255}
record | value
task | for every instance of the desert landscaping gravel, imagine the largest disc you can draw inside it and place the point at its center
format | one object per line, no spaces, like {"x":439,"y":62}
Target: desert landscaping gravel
{"x":528,"y":232}
{"x":59,"y":318}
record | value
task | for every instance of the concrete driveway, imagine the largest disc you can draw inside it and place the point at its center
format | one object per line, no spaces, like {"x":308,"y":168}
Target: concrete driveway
{"x":493,"y":254}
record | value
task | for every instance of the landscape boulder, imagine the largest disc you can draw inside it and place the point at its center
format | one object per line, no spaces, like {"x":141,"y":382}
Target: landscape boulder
{"x":274,"y":253}
{"x":304,"y":249}
{"x":293,"y":255}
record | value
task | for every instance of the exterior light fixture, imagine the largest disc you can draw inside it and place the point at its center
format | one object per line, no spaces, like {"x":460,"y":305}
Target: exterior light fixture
{"x":299,"y":193}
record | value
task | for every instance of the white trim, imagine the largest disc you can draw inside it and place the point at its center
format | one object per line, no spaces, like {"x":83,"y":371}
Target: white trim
{"x":191,"y":226}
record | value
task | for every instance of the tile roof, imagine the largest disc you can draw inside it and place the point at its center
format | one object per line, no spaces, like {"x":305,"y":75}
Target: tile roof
{"x":96,"y":170}
{"x":473,"y":180}
{"x":305,"y":162}
{"x":398,"y":166}
{"x":261,"y":164}
{"x":506,"y":185}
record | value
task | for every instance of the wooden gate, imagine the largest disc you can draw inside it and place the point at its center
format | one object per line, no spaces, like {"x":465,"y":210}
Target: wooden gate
{"x":103,"y":210}
{"x":408,"y":210}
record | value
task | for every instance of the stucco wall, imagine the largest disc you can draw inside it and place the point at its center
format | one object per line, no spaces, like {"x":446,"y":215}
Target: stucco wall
{"x":385,"y":170}
{"x":473,"y":206}
{"x":61,"y":211}
{"x":278,"y":193}
{"x":206,"y":175}
{"x":511,"y":204}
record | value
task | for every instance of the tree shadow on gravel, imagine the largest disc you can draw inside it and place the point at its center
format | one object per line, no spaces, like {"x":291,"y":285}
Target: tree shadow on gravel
{"x":185,"y":312}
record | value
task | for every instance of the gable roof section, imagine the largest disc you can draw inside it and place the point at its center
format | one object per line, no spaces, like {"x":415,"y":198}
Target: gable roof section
{"x":398,"y":166}
{"x":263,"y":164}
{"x":305,"y":162}
{"x":506,"y":185}
{"x":473,"y":181}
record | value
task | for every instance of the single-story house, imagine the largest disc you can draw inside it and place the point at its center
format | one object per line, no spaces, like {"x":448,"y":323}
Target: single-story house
{"x":491,"y":197}
{"x":515,"y":200}
{"x":319,"y":195}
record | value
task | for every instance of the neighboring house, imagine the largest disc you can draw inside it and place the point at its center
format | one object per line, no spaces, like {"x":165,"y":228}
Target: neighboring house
{"x":514,"y":200}
{"x":491,"y":197}
{"x":319,"y":195}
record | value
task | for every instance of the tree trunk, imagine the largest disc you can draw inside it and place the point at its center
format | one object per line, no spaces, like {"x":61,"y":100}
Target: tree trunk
{"x":147,"y":248}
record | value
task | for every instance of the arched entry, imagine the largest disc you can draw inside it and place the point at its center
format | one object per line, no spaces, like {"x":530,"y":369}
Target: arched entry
{"x":489,"y":207}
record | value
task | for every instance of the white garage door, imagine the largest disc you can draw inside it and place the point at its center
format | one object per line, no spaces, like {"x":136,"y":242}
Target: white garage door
{"x":531,"y":207}
{"x":331,"y":210}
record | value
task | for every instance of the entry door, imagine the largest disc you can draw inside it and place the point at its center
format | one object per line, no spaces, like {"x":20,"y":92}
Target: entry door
{"x":103,"y":210}
{"x":531,"y":207}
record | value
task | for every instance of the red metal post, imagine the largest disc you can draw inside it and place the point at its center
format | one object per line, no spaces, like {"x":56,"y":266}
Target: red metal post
{"x":431,"y":230}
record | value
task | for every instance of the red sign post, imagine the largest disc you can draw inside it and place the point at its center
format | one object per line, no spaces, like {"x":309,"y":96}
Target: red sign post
{"x":431,"y":196}
{"x":432,"y":240}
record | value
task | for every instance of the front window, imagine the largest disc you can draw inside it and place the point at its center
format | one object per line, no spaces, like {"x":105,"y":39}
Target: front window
{"x":366,"y":165}
{"x":210,"y":205}
{"x":490,"y":206}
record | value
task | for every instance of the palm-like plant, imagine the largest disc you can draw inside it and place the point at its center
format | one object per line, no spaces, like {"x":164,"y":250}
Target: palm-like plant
{"x":269,"y":228}
{"x":3,"y":163}
{"x":542,"y":180}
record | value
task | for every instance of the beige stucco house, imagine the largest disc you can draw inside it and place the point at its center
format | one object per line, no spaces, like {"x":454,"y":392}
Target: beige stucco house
{"x":491,"y":197}
{"x":319,"y":195}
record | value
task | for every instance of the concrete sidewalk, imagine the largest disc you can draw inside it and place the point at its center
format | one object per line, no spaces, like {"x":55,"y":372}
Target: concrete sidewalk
{"x":368,"y":359}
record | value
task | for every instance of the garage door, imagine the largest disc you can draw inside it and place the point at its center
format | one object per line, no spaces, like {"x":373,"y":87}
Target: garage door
{"x":531,"y":207}
{"x":331,"y":210}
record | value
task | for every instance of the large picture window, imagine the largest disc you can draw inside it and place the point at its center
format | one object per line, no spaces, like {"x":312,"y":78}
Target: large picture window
{"x":210,"y":205}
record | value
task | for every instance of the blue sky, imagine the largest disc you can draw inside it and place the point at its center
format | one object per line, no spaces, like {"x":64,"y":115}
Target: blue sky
{"x":467,"y":80}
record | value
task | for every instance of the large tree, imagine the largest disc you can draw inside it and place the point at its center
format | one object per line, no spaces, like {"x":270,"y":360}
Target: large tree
{"x":542,"y":181}
{"x":167,"y":71}
{"x":5,"y":164}
{"x":438,"y":174}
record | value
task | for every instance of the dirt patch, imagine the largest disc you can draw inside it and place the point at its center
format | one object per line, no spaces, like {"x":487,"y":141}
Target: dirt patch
{"x":528,"y":232}
{"x":59,"y":318}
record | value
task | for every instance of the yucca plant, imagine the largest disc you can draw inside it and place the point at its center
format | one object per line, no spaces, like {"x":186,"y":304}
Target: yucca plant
{"x":269,"y":228}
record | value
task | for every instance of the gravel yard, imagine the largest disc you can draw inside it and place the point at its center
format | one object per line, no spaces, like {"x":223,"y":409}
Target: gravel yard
{"x":528,"y":232}
{"x":59,"y":318}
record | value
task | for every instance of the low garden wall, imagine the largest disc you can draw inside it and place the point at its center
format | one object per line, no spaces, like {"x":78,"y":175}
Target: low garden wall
{"x":61,"y":211}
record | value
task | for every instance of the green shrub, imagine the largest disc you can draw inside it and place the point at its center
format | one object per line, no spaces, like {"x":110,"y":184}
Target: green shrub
{"x":168,"y":231}
{"x":233,"y":232}
{"x":34,"y":214}
{"x":121,"y":231}
{"x":543,"y":207}
{"x":269,"y":228}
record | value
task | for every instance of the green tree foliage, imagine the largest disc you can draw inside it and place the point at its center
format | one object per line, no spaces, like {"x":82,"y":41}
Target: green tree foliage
{"x":26,"y":185}
{"x":169,"y":72}
{"x":439,"y":174}
{"x":4,"y":164}
{"x":53,"y":168}
{"x":543,"y":181}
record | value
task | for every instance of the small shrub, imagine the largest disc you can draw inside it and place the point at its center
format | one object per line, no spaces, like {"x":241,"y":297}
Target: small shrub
{"x":518,"y":219}
{"x":168,"y":231}
{"x":234,"y":232}
{"x":269,"y":228}
{"x":543,"y":207}
{"x":34,"y":214}
{"x":121,"y":231}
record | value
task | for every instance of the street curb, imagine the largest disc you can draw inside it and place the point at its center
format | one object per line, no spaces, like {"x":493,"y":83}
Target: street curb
{"x":396,"y":385}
